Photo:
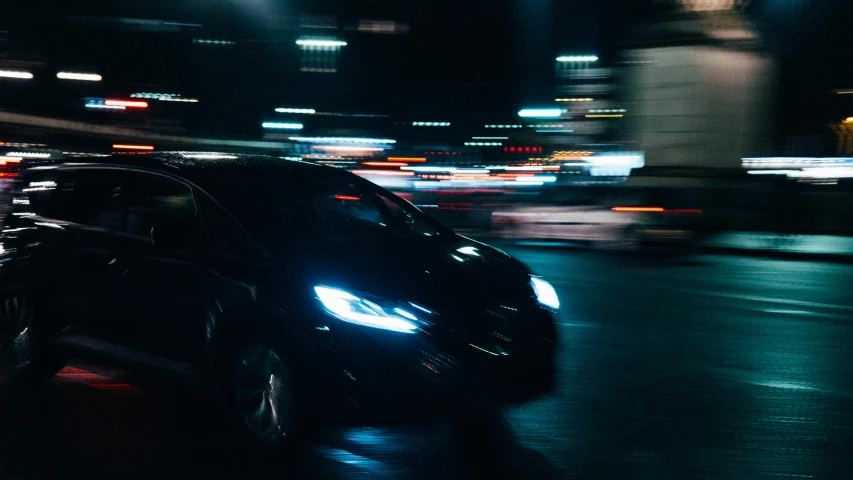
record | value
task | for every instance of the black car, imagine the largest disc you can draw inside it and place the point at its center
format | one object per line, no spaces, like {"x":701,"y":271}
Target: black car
{"x":284,"y":288}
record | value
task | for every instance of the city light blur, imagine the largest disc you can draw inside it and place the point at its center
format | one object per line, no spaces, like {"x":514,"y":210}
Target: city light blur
{"x":634,"y":131}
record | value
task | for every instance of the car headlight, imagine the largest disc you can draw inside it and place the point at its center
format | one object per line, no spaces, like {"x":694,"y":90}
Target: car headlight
{"x":352,"y":309}
{"x":545,"y":293}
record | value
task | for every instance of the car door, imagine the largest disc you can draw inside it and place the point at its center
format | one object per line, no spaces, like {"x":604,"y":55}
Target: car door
{"x":81,"y":231}
{"x":166,"y":286}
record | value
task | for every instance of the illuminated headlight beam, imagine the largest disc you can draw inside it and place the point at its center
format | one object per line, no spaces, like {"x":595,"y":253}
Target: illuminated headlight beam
{"x":545,"y":293}
{"x":351,"y":309}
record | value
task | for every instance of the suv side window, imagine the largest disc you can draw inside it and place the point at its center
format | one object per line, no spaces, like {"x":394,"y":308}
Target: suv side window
{"x":225,"y":235}
{"x":156,"y":199}
{"x":92,"y":197}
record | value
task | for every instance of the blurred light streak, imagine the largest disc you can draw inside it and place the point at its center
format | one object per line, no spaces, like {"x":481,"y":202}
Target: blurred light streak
{"x":348,"y":148}
{"x":126,"y":103}
{"x":125,"y":146}
{"x":555,"y":131}
{"x":604,"y":116}
{"x":178,"y":99}
{"x":771,"y":172}
{"x":321,"y":43}
{"x":430,"y":124}
{"x":208,"y":155}
{"x":384,"y":164}
{"x":637,"y":209}
{"x":608,"y":110}
{"x":342,"y":140}
{"x":15,"y":74}
{"x":87,"y":77}
{"x":848,"y":120}
{"x":573,"y":99}
{"x":308,"y":111}
{"x":540,"y":112}
{"x":109,"y":107}
{"x":205,"y":41}
{"x":347,"y":197}
{"x":282,"y":126}
{"x":431,"y":169}
{"x":483,"y":144}
{"x":394,"y":173}
{"x":29,"y":154}
{"x":490,"y":138}
{"x":503,"y":126}
{"x":844,"y":92}
{"x":577,"y":58}
{"x":407,"y":159}
{"x":152,"y":95}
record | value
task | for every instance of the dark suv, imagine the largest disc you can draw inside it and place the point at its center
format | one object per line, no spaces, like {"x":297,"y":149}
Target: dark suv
{"x":283,"y":286}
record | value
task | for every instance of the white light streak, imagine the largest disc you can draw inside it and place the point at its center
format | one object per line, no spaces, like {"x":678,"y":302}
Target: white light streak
{"x":282,"y":126}
{"x":87,"y":77}
{"x":308,"y":111}
{"x":15,"y":74}
{"x":577,"y":58}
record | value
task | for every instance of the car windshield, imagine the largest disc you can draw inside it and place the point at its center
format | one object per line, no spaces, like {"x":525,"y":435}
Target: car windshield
{"x":284,"y":208}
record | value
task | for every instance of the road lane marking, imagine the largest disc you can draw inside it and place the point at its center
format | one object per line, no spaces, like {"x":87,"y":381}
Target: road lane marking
{"x":783,"y":385}
{"x":802,"y":313}
{"x":782,"y":301}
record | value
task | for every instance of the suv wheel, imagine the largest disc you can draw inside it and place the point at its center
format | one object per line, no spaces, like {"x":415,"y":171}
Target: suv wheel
{"x":259,"y":395}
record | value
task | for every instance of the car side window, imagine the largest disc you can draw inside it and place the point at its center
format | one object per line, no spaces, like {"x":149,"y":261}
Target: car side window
{"x":225,"y":235}
{"x":154,"y":200}
{"x":91,"y":197}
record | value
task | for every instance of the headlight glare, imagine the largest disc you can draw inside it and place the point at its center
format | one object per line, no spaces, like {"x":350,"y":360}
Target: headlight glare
{"x":545,"y":293}
{"x":352,"y":309}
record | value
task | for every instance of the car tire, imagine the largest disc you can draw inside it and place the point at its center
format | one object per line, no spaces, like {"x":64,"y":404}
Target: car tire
{"x":25,"y":357}
{"x":257,"y":390}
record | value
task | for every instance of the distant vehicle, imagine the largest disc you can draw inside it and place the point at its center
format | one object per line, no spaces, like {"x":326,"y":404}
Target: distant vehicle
{"x":596,"y":225}
{"x":286,"y":288}
{"x":630,"y":225}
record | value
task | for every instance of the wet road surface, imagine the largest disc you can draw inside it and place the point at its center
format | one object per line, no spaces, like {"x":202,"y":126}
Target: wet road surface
{"x":669,"y":367}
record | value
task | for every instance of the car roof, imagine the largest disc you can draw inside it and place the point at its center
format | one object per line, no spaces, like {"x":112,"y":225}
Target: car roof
{"x":201,"y":167}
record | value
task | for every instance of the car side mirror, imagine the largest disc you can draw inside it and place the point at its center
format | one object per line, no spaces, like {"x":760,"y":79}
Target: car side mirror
{"x":171,"y":235}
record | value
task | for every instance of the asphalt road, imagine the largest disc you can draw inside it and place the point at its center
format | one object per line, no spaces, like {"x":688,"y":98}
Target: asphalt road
{"x":669,"y":367}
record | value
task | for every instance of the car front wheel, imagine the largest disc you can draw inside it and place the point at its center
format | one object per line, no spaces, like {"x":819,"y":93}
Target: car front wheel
{"x":260,"y":397}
